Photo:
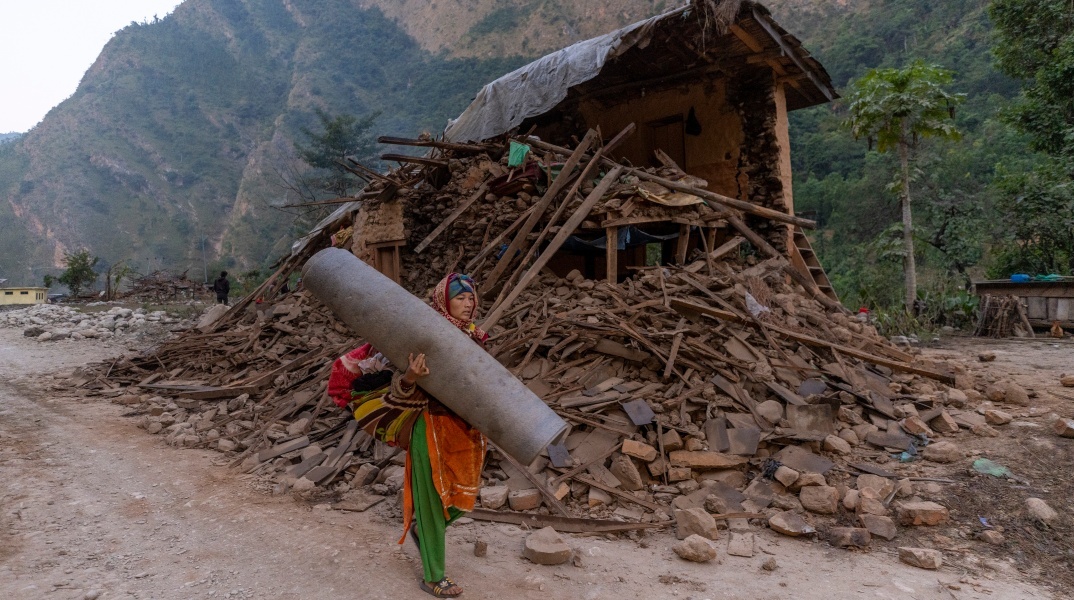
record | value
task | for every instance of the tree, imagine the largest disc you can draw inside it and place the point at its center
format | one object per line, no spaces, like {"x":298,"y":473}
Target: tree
{"x":1035,"y":43}
{"x":113,"y":276}
{"x":895,"y":108}
{"x":340,"y":137}
{"x":79,"y":273}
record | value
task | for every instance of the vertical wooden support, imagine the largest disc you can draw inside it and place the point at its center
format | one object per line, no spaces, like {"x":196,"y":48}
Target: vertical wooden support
{"x":682,"y":245}
{"x":611,"y":251}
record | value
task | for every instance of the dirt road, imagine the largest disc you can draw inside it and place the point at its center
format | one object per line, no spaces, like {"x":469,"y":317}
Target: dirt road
{"x":93,"y":507}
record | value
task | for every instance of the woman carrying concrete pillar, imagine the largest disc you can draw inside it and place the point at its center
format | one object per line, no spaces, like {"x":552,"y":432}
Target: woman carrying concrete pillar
{"x":444,"y":453}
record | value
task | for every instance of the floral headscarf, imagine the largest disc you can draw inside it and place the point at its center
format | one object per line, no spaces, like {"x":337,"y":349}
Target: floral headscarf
{"x":449,"y":287}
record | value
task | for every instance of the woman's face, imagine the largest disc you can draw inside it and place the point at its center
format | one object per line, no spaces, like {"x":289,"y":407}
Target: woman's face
{"x":462,"y":306}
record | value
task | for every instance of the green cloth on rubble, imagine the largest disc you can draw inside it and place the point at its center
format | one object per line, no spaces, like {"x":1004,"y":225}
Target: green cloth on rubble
{"x":517,"y":154}
{"x":428,"y":510}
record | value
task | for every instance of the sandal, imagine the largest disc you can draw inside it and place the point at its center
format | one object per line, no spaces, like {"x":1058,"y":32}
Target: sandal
{"x":442,"y":588}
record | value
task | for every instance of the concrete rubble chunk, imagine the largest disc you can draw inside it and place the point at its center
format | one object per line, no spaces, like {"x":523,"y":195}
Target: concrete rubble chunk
{"x":546,"y":547}
{"x":820,"y":499}
{"x":849,"y":537}
{"x":790,"y":523}
{"x":639,"y":450}
{"x":693,"y":521}
{"x":695,"y":549}
{"x":1039,"y":510}
{"x":1066,"y":380}
{"x":921,"y":513}
{"x":923,"y":558}
{"x":494,"y":496}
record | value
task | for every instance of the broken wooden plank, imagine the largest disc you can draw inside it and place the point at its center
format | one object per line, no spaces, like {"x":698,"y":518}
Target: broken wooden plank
{"x":546,"y":255}
{"x":561,"y":524}
{"x":557,"y":185}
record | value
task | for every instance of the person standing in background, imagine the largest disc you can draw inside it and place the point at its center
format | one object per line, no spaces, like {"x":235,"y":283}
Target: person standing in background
{"x":222,"y":287}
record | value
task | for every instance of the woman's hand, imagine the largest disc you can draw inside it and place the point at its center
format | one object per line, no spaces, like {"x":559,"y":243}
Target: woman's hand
{"x":415,"y":370}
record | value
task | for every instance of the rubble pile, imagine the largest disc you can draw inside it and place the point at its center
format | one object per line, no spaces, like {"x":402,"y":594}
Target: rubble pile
{"x":164,"y":286}
{"x":704,"y":392}
{"x":53,"y":322}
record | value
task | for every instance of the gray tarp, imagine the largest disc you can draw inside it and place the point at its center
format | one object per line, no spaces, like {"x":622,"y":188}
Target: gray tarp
{"x":539,"y":86}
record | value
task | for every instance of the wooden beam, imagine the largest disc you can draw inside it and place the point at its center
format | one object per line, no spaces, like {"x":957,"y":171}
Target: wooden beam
{"x":451,"y":218}
{"x":542,"y":205}
{"x":682,"y":245}
{"x":394,"y":141}
{"x":561,"y":237}
{"x":727,"y":247}
{"x":895,"y":365}
{"x":562,"y":524}
{"x":744,"y":206}
{"x":611,"y":254}
{"x":417,"y":160}
{"x":776,"y":37}
{"x":495,"y":243}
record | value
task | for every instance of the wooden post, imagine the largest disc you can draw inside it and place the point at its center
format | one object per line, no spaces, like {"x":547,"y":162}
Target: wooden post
{"x":682,"y":245}
{"x":611,"y":251}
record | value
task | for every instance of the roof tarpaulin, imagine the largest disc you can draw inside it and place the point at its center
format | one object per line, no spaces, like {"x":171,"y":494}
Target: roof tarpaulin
{"x":541,"y":85}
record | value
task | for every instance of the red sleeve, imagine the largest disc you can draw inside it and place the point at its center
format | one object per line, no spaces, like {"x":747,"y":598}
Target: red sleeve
{"x":344,"y":371}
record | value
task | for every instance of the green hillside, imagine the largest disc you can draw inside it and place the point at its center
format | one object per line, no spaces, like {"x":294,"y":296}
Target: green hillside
{"x":169,"y":152}
{"x":177,"y":133}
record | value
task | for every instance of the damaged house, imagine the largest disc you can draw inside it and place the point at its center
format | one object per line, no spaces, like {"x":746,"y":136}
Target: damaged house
{"x":626,"y":206}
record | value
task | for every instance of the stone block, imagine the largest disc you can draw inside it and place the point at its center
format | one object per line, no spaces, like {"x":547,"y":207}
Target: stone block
{"x":524,"y":499}
{"x":693,"y":521}
{"x":495,"y":496}
{"x":626,"y":472}
{"x":786,"y":475}
{"x":921,"y":513}
{"x":705,"y":460}
{"x":695,"y":549}
{"x":883,"y":527}
{"x":639,"y":450}
{"x":849,"y":537}
{"x":923,"y":558}
{"x":820,"y":499}
{"x":997,"y":417}
{"x":942,"y":452}
{"x":836,"y":445}
{"x":546,"y":547}
{"x":1039,"y":510}
{"x":740,"y":543}
{"x":790,"y":523}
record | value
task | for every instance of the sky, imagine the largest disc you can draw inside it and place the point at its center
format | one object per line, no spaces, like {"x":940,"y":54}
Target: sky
{"x":47,"y":45}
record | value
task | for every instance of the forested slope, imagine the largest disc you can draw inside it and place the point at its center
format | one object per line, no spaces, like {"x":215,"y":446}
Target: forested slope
{"x":171,"y":148}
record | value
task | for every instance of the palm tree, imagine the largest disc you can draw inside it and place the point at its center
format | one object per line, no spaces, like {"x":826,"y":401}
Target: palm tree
{"x":895,"y":108}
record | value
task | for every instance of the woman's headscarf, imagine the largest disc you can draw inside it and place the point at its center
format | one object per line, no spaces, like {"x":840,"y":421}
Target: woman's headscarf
{"x":449,"y":287}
